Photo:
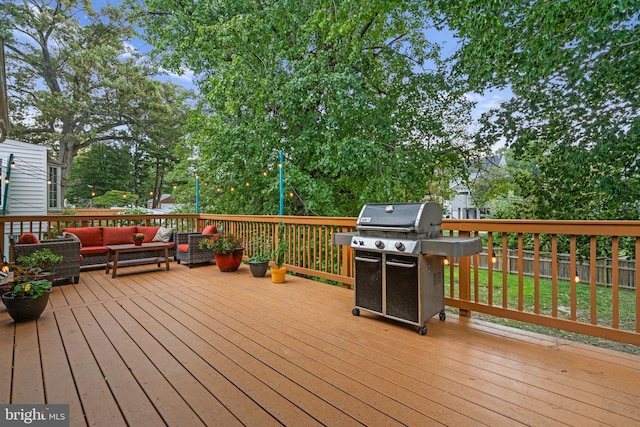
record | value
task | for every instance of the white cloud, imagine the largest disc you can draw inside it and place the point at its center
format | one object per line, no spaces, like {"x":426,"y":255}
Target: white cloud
{"x":488,"y":100}
{"x":185,"y":76}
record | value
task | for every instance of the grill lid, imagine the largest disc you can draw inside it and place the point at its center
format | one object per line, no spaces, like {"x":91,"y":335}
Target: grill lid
{"x":420,"y":218}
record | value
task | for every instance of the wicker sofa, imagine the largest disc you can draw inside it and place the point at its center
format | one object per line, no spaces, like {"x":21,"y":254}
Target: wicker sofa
{"x":69,"y":269}
{"x":95,"y":239}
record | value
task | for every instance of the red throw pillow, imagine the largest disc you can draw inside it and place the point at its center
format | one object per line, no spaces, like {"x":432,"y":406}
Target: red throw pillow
{"x":149,"y":232}
{"x":210,"y":229}
{"x":89,"y":236}
{"x":28,"y":239}
{"x":118,"y":235}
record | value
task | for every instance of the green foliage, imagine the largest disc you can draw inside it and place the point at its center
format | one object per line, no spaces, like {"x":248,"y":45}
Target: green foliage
{"x":115,"y":198}
{"x":281,"y":247}
{"x":42,"y":259}
{"x":221,"y":243}
{"x":572,"y":67}
{"x":260,"y":248}
{"x":133,"y":211}
{"x":99,"y":169}
{"x":72,"y":85}
{"x":29,"y":289}
{"x":351,"y":92}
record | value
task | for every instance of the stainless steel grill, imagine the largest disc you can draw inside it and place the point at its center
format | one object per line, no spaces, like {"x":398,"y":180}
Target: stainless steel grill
{"x":399,"y":257}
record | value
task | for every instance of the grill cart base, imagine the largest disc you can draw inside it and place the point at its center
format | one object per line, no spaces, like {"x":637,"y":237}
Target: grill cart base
{"x":399,"y":261}
{"x":407,"y":288}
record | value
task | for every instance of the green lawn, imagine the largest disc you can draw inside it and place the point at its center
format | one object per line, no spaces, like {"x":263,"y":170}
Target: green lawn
{"x":626,"y":306}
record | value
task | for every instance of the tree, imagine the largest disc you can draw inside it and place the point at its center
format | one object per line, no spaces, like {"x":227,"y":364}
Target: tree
{"x":574,"y":116}
{"x":99,"y":169}
{"x":352,"y":93}
{"x":73,"y":84}
{"x":115,"y":198}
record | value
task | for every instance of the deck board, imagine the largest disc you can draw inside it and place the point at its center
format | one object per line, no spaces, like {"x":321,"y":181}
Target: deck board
{"x":200,"y":347}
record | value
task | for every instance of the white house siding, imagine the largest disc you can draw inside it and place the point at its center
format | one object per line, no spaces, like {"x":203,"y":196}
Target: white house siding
{"x":27,"y":189}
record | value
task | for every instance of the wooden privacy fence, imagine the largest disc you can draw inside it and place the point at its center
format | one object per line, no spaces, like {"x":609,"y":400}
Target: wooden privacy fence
{"x":604,"y":267}
{"x":549,"y":296}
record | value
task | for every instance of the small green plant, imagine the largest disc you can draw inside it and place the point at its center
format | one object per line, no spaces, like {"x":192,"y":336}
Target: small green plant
{"x":138,"y":236}
{"x":31,"y":289}
{"x":281,"y":247}
{"x":260,"y":250}
{"x":43,"y":259}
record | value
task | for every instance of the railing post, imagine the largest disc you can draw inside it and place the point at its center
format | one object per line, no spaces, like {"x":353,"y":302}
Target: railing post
{"x":464,"y":278}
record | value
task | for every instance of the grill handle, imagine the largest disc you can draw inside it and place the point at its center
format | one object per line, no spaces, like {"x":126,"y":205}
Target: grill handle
{"x":364,"y":259}
{"x":401,"y":264}
{"x":381,"y":228}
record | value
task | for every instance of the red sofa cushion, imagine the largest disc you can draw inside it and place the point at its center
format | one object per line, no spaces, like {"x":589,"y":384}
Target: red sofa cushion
{"x":118,"y":235}
{"x":210,"y":229}
{"x":92,"y":250}
{"x":149,"y":233}
{"x":28,"y":239}
{"x":183,"y":247}
{"x":89,"y":236}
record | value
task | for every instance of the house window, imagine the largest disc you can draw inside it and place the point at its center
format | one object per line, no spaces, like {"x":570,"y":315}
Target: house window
{"x":53,"y":186}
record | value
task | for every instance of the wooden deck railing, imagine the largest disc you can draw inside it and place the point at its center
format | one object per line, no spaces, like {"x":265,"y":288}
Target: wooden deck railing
{"x":579,"y":306}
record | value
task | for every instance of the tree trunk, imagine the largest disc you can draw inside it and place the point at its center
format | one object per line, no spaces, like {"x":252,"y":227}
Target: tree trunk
{"x":68,"y":149}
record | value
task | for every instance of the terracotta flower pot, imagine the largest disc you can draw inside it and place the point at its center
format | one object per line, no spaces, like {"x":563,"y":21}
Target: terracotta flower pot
{"x":25,"y":309}
{"x":229,"y":261}
{"x":137,"y":242}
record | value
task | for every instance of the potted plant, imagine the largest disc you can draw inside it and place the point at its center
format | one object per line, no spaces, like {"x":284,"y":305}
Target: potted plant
{"x":43,"y":259}
{"x":27,"y":296}
{"x":138,"y":238}
{"x":278,"y":272}
{"x":37,"y":264}
{"x":227,"y":250}
{"x":259,"y":260}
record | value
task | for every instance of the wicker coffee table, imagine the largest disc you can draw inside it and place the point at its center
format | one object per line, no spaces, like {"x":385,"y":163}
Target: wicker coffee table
{"x":161,"y":249}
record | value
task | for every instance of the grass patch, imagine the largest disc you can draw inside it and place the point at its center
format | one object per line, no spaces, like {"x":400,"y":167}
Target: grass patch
{"x":603,"y":304}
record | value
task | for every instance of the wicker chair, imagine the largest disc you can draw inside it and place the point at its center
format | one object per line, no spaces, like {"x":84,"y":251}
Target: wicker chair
{"x":194,"y":255}
{"x":69,"y":269}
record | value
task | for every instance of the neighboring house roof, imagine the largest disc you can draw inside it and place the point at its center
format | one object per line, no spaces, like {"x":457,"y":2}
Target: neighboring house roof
{"x":164,"y":198}
{"x":486,"y":163}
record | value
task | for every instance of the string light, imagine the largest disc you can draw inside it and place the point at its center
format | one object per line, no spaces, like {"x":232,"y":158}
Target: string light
{"x":6,"y":180}
{"x":494,"y":258}
{"x":246,"y":184}
{"x":577,"y":278}
{"x":264,"y":173}
{"x":445,"y":261}
{"x":13,"y":164}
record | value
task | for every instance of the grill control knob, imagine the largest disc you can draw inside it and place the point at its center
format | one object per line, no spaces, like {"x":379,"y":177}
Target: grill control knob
{"x":379,"y":244}
{"x":400,"y":246}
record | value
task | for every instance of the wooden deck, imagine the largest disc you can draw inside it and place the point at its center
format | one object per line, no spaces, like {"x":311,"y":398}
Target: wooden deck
{"x":199,"y":347}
